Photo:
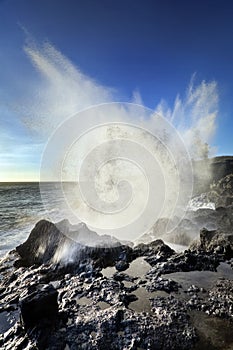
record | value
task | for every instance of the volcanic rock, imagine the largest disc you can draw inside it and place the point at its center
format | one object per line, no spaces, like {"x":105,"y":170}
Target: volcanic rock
{"x":210,"y":170}
{"x":39,"y":304}
{"x":46,"y":244}
{"x":66,"y":302}
{"x":122,"y":265}
{"x":42,"y":244}
{"x":155,"y":251}
{"x":216,"y":242}
{"x":159,"y":283}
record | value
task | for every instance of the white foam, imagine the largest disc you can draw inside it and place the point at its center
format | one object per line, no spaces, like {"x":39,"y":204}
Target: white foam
{"x":200,"y":202}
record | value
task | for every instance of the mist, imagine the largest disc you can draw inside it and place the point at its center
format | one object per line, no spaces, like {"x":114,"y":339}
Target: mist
{"x":62,"y":90}
{"x":65,"y":90}
{"x":195,"y":117}
{"x":133,"y":164}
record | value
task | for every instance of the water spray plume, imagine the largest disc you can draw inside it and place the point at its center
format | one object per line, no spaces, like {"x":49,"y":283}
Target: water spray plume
{"x":118,"y":166}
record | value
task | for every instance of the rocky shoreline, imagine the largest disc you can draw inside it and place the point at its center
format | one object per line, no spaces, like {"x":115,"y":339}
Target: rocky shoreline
{"x":60,"y":293}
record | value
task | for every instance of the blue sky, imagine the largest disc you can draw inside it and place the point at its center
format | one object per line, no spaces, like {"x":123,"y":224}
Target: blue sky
{"x":152,"y":47}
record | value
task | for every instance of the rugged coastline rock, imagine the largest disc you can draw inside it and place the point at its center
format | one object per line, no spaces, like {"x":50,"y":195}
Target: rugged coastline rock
{"x":211,"y":206}
{"x":59,"y":292}
{"x":215,"y":241}
{"x":187,"y":230}
{"x":207,"y":171}
{"x":47,"y":244}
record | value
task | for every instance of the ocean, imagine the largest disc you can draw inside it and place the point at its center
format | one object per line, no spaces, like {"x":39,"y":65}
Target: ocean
{"x":21,"y":208}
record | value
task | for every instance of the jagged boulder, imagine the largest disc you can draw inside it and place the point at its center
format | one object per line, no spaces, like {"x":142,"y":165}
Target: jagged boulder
{"x":156,"y":251}
{"x":207,"y":171}
{"x":215,"y":241}
{"x":38,"y":304}
{"x":46,"y":244}
{"x":224,"y":187}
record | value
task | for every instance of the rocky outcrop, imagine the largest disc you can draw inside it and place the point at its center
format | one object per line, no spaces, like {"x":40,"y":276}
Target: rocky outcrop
{"x":187,"y":230}
{"x":37,"y":304}
{"x":215,"y":241}
{"x":221,"y":192}
{"x":93,"y":313}
{"x":208,"y":171}
{"x":75,"y":305}
{"x":43,"y":245}
{"x":83,"y":235}
{"x":47,"y":244}
{"x":154,"y":252}
{"x":187,"y":261}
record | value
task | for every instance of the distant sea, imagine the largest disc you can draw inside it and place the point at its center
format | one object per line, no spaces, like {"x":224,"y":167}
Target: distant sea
{"x":20,"y":208}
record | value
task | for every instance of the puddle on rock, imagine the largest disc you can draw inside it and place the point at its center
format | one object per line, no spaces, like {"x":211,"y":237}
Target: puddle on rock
{"x":7,"y":320}
{"x":213,"y":333}
{"x":137,"y":268}
{"x":108,"y":272}
{"x":202,"y":279}
{"x":143,"y":303}
{"x":103,"y":305}
{"x":128,"y":284}
{"x":83,"y":301}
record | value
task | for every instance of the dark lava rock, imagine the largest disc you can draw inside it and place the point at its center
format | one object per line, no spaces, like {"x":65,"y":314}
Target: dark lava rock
{"x":43,"y":243}
{"x":108,"y":256}
{"x":159,"y":283}
{"x":216,"y":241}
{"x":210,"y":170}
{"x":222,"y":191}
{"x":193,"y":289}
{"x":120,"y":276}
{"x":121,"y":328}
{"x":186,"y":261}
{"x":46,"y":244}
{"x":154,"y":252}
{"x":178,"y":326}
{"x":218,"y":301}
{"x":122,"y":265}
{"x":126,"y":299}
{"x":69,"y":304}
{"x":83,"y":235}
{"x":205,"y":237}
{"x":39,"y":303}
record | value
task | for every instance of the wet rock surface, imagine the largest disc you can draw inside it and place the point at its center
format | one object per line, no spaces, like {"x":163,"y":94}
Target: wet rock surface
{"x":211,"y":206}
{"x":112,"y":297}
{"x":42,"y":299}
{"x":209,"y":171}
{"x":218,"y":301}
{"x":154,"y":252}
{"x":216,"y":241}
{"x":187,"y":229}
{"x":47,"y":244}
